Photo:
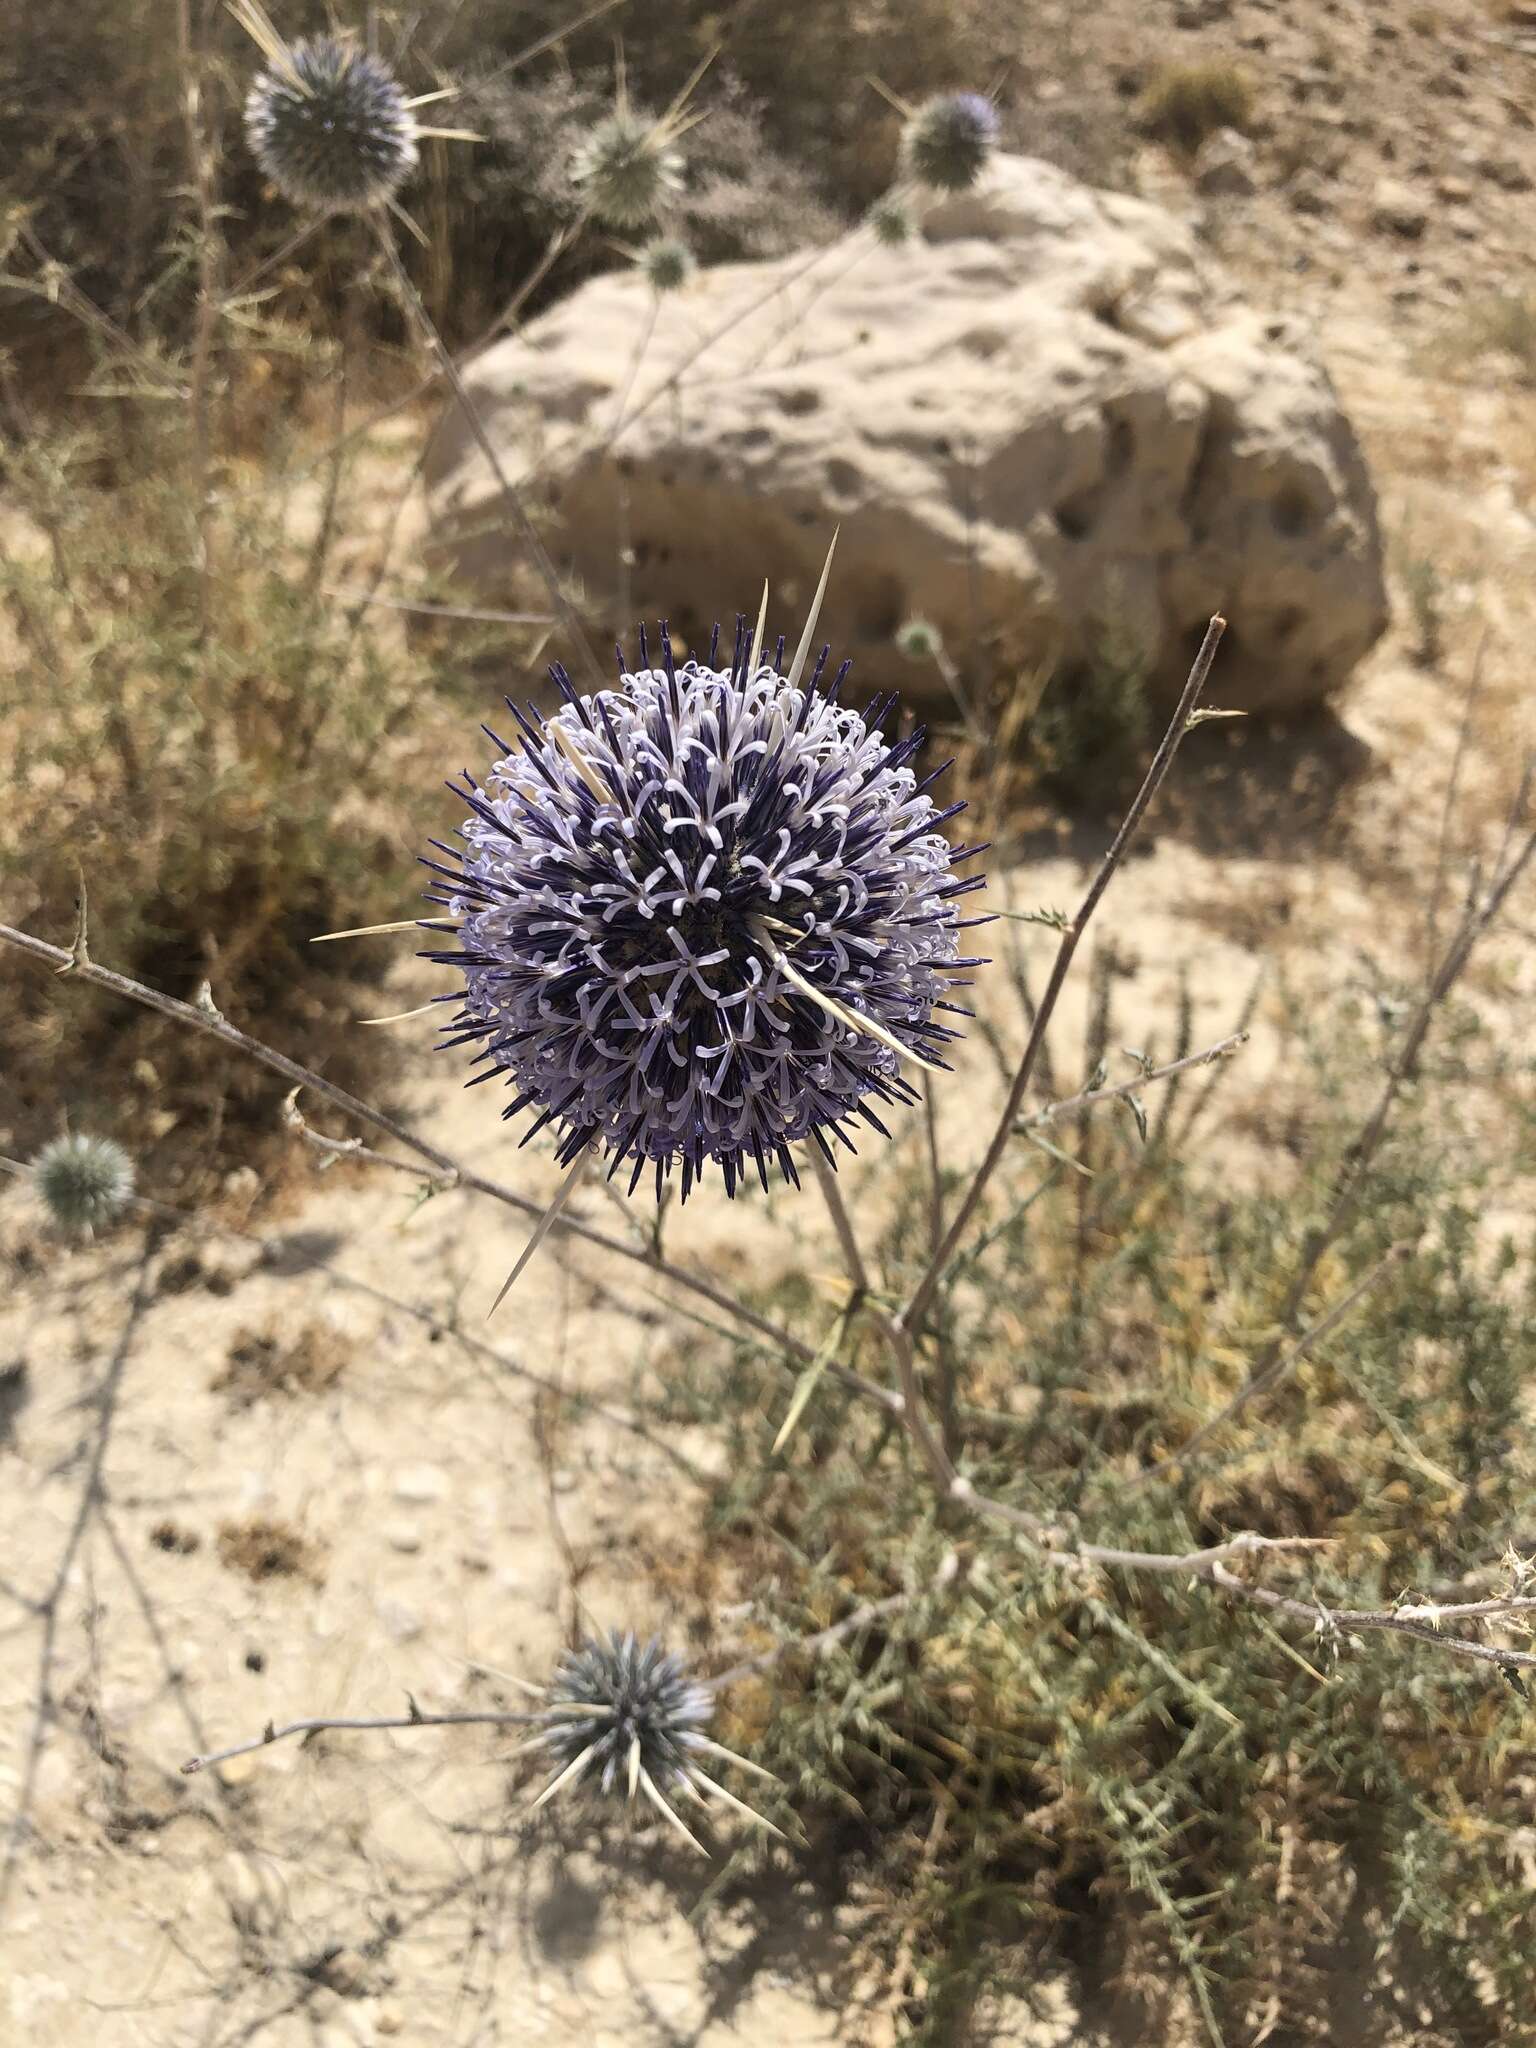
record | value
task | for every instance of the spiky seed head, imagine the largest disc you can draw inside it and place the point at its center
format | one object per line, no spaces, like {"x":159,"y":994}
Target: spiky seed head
{"x":699,"y":915}
{"x":919,"y":640}
{"x":640,"y":1692}
{"x":330,"y":127}
{"x":947,"y":142}
{"x":627,"y":169}
{"x":890,"y":222}
{"x":667,"y":264}
{"x":86,"y":1183}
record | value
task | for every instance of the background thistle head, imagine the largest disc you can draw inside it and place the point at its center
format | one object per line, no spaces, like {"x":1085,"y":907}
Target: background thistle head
{"x":330,"y":125}
{"x":890,"y":222}
{"x":919,"y":640}
{"x":85,"y":1183}
{"x":666,"y":264}
{"x":947,"y":142}
{"x":627,"y":169}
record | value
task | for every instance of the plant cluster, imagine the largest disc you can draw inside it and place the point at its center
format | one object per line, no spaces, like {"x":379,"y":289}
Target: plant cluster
{"x":1124,"y":1539}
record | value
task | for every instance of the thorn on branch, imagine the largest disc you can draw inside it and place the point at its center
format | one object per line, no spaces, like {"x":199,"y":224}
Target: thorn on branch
{"x":79,"y":950}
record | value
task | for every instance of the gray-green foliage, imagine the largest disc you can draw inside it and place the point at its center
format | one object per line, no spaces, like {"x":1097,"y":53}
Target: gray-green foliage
{"x":1197,"y":1790}
{"x":1088,"y":737}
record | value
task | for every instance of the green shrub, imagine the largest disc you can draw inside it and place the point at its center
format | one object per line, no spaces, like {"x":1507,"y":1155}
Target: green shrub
{"x":1187,"y":102}
{"x":1044,"y":1766}
{"x":223,"y":793}
{"x":1088,"y":737}
{"x":1505,"y":323}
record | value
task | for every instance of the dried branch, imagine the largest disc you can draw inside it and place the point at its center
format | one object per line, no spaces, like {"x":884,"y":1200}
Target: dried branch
{"x":912,"y":1315}
{"x":791,"y":1350}
{"x":527,"y":532}
{"x":1092,"y":1097}
{"x":317,"y":1724}
{"x":1342,"y":1622}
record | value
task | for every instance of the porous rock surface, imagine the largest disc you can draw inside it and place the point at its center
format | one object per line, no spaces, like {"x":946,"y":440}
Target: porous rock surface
{"x":1046,"y":424}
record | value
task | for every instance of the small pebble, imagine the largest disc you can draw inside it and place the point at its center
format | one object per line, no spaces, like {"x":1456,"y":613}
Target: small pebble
{"x":419,"y":1485}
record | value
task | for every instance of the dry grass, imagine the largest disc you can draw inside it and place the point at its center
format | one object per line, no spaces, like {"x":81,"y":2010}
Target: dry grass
{"x":269,"y":1364}
{"x":264,"y":1547}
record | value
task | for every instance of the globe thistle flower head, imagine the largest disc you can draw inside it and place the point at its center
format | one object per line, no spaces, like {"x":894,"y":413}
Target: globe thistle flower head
{"x":330,"y":126}
{"x":622,"y":1715}
{"x":613,"y":1699}
{"x":947,"y":142}
{"x":85,"y":1183}
{"x":627,"y":169}
{"x":667,"y":264}
{"x":704,"y":915}
{"x":890,"y":222}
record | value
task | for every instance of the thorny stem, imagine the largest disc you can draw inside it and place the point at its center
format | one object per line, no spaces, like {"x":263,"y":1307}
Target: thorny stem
{"x":200,"y":161}
{"x":1346,"y":1621}
{"x":912,"y":1315}
{"x":935,"y":1175}
{"x":381,"y":414}
{"x":59,"y":289}
{"x":317,"y":1724}
{"x":701,"y":348}
{"x":526,"y":530}
{"x":842,"y":1222}
{"x":1448,"y":807}
{"x":1054,"y":1541}
{"x":950,"y":1572}
{"x":1092,"y":1097}
{"x":794,"y":1353}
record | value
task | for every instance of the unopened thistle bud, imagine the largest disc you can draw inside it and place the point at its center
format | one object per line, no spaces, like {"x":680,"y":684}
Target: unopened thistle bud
{"x":890,"y":222}
{"x":919,"y":640}
{"x":623,"y":1717}
{"x":85,"y":1183}
{"x":627,"y":170}
{"x":667,"y":264}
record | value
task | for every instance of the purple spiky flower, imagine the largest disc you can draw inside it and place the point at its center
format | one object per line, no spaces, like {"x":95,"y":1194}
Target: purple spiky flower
{"x":704,"y":915}
{"x":330,"y":126}
{"x":947,"y":142}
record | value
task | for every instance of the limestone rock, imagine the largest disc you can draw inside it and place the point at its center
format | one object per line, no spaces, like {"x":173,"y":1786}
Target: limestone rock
{"x":1043,"y":422}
